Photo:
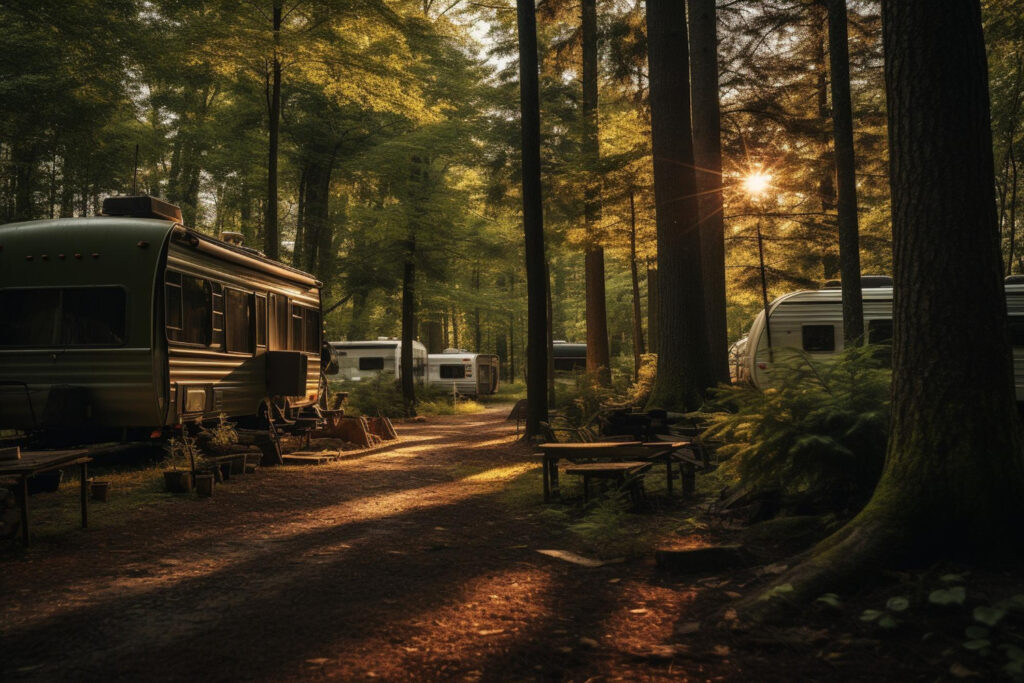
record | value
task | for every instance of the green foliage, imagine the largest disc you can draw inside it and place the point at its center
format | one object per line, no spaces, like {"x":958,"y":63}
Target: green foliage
{"x":819,"y":432}
{"x":585,"y":397}
{"x":181,"y":452}
{"x":375,"y":396}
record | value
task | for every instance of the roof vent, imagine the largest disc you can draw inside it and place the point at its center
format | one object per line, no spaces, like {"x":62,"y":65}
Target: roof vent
{"x":235,"y":239}
{"x":142,"y":206}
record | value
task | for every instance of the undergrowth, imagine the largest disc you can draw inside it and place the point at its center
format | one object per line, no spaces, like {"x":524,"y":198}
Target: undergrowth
{"x":819,"y":433}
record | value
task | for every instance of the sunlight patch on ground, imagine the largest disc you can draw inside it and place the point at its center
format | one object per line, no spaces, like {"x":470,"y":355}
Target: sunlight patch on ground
{"x":500,"y":473}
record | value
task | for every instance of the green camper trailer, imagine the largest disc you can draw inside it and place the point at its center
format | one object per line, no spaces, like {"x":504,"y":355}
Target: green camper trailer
{"x":131,"y":321}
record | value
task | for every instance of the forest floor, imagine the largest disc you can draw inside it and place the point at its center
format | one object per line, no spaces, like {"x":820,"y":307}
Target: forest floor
{"x":419,"y":561}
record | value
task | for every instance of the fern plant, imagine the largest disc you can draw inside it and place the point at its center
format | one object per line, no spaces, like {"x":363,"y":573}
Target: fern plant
{"x":819,"y":432}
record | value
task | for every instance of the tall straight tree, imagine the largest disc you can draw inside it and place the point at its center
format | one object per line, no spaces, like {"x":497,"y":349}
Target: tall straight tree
{"x":533,"y":220}
{"x":953,"y":482}
{"x":598,"y":355}
{"x":846,"y":173}
{"x":271,"y":235}
{"x":684,"y":373}
{"x":707,"y":154}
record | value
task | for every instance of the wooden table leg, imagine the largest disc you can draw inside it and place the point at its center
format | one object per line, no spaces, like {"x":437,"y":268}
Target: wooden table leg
{"x":553,"y":470}
{"x":668,"y":474}
{"x":85,"y":495}
{"x":547,"y":481}
{"x":24,"y":509}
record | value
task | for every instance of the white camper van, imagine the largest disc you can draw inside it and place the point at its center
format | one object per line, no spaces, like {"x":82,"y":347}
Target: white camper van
{"x":359,"y":360}
{"x":472,"y":374}
{"x":811,"y":321}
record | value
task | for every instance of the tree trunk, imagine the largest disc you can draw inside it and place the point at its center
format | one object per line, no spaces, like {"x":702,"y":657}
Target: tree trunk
{"x":652,"y":307}
{"x":533,"y":218}
{"x":638,"y":326}
{"x":23,"y":157}
{"x":826,"y":159}
{"x":271,"y":235}
{"x":684,"y":373}
{"x":598,"y":354}
{"x":846,"y":174}
{"x":1013,"y":210}
{"x":953,"y":482}
{"x":550,"y":342}
{"x":707,"y":153}
{"x":408,"y":328}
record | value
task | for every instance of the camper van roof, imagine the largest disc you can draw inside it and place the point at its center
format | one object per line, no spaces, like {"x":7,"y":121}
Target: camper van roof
{"x":374,"y":344}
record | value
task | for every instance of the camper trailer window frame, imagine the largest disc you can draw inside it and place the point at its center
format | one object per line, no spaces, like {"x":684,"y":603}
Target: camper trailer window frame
{"x":260,"y":320}
{"x":449,"y":367}
{"x":230,"y":323}
{"x":311,"y":330}
{"x":176,"y":278}
{"x":823,"y":347}
{"x":276,"y":305}
{"x":58,"y":331}
{"x":376,"y":359}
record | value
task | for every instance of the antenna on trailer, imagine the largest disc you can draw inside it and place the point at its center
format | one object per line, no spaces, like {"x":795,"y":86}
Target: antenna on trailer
{"x":135,"y":174}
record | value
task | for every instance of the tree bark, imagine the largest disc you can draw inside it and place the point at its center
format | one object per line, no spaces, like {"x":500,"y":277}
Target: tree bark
{"x":846,"y":174}
{"x":408,"y":328}
{"x":953,"y":482}
{"x":707,"y":153}
{"x":638,"y":325}
{"x":684,"y":373}
{"x":271,"y":235}
{"x":533,"y":219}
{"x":598,"y":353}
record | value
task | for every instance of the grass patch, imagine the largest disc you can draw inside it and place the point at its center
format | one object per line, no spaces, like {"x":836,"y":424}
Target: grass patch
{"x":442,"y":406}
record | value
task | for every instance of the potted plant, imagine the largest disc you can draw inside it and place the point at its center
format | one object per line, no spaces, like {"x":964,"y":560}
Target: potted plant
{"x":180,"y":454}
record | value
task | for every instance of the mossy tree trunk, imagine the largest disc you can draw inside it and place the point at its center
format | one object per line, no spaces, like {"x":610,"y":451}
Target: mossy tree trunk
{"x":953,"y":483}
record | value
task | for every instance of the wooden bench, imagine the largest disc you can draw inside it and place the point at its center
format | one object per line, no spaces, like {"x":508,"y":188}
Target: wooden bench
{"x":625,"y":474}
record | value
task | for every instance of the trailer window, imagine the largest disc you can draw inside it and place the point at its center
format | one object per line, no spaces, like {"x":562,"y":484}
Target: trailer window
{"x":239,"y":321}
{"x":313,"y":331}
{"x":296,"y":338}
{"x":189,"y":311}
{"x":1016,"y":327}
{"x":278,"y":310}
{"x":92,"y":316}
{"x":819,"y":337}
{"x":261,"y":320}
{"x":371,"y":363}
{"x":72,"y":316}
{"x":453,"y":371}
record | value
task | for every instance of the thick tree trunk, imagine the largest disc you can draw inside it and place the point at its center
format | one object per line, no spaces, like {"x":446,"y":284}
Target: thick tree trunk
{"x":953,"y":483}
{"x":552,"y":401}
{"x":598,"y":354}
{"x":271,"y":235}
{"x":846,"y":174}
{"x":638,"y":325}
{"x":533,"y":219}
{"x":684,"y":373}
{"x":652,"y":307}
{"x":707,"y":153}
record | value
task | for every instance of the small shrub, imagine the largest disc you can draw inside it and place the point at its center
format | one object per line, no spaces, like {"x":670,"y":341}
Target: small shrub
{"x":378,"y":396}
{"x":585,"y":398}
{"x":820,"y":432}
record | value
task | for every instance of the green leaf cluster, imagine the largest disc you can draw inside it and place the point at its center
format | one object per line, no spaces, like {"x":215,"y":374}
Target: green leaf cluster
{"x":819,"y":432}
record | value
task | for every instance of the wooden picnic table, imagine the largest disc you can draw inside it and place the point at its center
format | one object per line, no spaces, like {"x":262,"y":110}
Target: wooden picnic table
{"x":36,"y":462}
{"x":611,"y":451}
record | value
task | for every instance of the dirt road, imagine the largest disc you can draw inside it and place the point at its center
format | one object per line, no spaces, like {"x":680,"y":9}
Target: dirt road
{"x":403,"y":564}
